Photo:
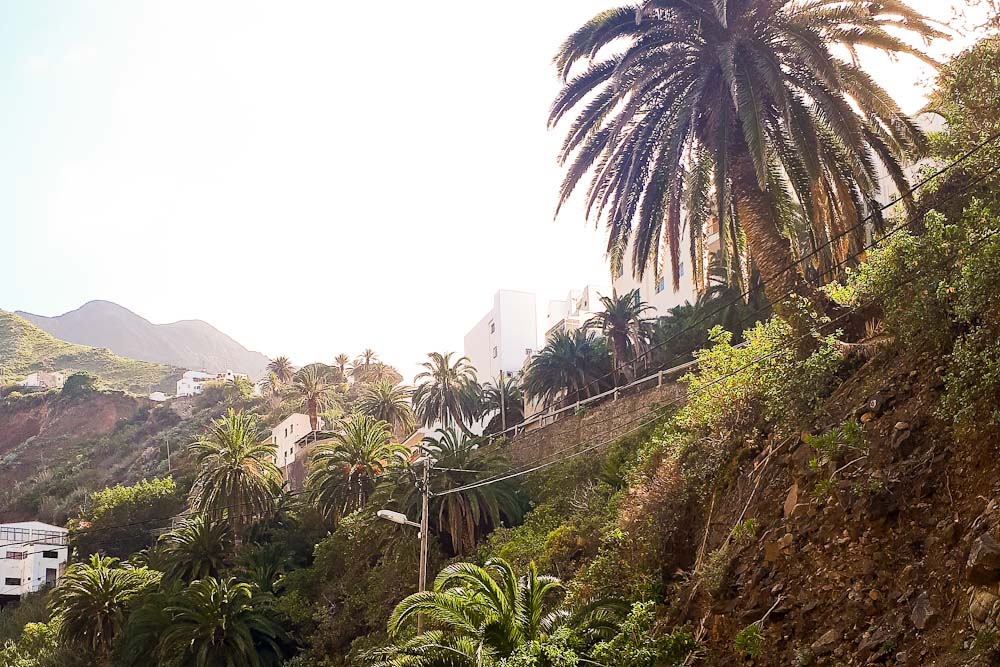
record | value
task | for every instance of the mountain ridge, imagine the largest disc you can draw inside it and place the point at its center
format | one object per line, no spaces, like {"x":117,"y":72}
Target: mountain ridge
{"x":188,"y":343}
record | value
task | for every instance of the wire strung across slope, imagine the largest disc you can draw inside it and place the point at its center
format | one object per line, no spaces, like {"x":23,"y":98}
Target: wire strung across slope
{"x":743,"y":296}
{"x":557,"y":457}
{"x":770,"y":305}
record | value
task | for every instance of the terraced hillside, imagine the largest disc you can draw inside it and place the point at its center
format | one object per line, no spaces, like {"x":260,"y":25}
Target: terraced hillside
{"x":25,"y":348}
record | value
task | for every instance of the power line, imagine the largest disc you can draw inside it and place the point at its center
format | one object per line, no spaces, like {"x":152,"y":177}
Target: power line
{"x":770,"y":305}
{"x":541,"y":463}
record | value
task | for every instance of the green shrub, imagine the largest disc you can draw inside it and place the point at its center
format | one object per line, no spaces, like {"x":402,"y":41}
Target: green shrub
{"x":637,"y":643}
{"x":80,"y":384}
{"x":750,"y":640}
{"x":148,"y":504}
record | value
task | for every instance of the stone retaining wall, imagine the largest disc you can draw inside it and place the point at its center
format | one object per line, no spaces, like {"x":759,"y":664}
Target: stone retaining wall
{"x":593,"y":425}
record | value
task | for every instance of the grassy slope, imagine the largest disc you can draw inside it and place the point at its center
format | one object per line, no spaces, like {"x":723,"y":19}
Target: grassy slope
{"x":25,"y":348}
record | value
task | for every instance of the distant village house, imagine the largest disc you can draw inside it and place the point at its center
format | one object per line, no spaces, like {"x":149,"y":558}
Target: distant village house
{"x":43,"y":380}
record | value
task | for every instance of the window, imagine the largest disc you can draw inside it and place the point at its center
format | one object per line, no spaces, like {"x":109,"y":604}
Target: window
{"x":291,"y":429}
{"x":494,"y":352}
{"x":286,"y":431}
{"x":50,"y":576}
{"x":680,"y":269}
{"x":660,"y":284}
{"x":15,"y":555}
{"x":493,"y":327}
{"x":50,"y":554}
{"x":12,"y":581}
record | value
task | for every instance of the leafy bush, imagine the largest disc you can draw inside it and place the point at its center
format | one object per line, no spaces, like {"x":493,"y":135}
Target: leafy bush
{"x":765,"y":382}
{"x":637,"y":644}
{"x":750,"y":640}
{"x":80,"y":384}
{"x":141,"y":509}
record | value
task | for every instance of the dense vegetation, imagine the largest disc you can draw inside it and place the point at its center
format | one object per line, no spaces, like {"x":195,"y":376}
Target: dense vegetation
{"x":598,"y":555}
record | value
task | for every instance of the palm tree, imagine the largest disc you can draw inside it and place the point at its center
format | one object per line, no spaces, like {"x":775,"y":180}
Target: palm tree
{"x":464,"y":516}
{"x":485,"y":615}
{"x":315,"y":391}
{"x":282,"y":369}
{"x":572,"y":365}
{"x":343,"y":362}
{"x":736,"y":111}
{"x":263,"y":565}
{"x":236,"y":474}
{"x":219,"y":622}
{"x":271,"y":388}
{"x":343,"y":471}
{"x":195,"y":549}
{"x":390,"y":404}
{"x":365,"y":360}
{"x":502,"y":398}
{"x":447,"y":392}
{"x":622,"y":323}
{"x":92,"y":601}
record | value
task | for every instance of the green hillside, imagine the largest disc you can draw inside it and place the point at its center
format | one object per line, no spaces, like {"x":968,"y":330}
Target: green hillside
{"x":25,"y":348}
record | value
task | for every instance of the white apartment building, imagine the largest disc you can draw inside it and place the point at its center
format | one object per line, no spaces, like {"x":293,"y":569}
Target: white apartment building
{"x":505,"y":336}
{"x":284,"y":436}
{"x":43,"y":380}
{"x":192,"y":383}
{"x":572,"y":313}
{"x":34,"y":556}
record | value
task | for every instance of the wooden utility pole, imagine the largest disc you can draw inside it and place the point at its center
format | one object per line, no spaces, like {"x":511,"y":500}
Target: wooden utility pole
{"x":425,"y":493}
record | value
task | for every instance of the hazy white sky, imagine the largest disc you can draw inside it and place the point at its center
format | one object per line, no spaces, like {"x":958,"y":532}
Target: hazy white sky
{"x":309,"y":177}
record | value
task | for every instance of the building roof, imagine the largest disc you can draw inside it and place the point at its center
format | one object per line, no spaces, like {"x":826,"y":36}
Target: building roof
{"x":33,"y":525}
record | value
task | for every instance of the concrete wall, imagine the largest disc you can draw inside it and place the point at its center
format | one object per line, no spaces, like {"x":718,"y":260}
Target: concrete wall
{"x":597,"y":423}
{"x":499,"y":340}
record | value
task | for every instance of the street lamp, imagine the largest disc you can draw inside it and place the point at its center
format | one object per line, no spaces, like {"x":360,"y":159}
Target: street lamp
{"x":400,"y":518}
{"x":396,"y":517}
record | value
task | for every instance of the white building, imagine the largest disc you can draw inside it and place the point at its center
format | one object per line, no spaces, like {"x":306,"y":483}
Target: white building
{"x":34,"y":556}
{"x":158,"y":396}
{"x":572,"y":313}
{"x":284,"y":436}
{"x":43,"y":380}
{"x":505,"y":336}
{"x":192,"y":383}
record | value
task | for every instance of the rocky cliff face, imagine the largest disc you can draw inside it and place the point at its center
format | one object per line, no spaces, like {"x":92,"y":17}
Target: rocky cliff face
{"x":884,"y":554}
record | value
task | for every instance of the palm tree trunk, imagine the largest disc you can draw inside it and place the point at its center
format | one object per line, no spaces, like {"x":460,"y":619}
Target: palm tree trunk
{"x":771,"y":252}
{"x":313,"y":414}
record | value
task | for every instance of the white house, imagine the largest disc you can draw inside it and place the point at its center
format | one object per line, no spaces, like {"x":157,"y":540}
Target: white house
{"x":43,"y":380}
{"x":158,"y":396}
{"x":571,"y":313}
{"x":505,"y":336}
{"x":284,"y":436}
{"x":34,"y":556}
{"x":192,"y":383}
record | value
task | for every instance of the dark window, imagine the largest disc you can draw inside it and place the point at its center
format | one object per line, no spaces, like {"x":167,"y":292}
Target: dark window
{"x":680,"y":269}
{"x":493,"y":327}
{"x":660,"y":285}
{"x":50,"y":576}
{"x":50,"y":554}
{"x":15,"y":555}
{"x":12,"y":581}
{"x":494,"y":353}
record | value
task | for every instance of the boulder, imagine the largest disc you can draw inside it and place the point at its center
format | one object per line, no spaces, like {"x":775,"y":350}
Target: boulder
{"x":984,"y":561}
{"x":923,"y":613}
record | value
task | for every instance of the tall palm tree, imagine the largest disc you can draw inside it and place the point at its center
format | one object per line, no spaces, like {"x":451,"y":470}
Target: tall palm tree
{"x":221,"y":622}
{"x":343,"y":362}
{"x":447,"y":392}
{"x":623,"y":324}
{"x":390,"y":404}
{"x":465,"y":516}
{"x":343,"y":471}
{"x":282,"y":368}
{"x":485,"y":614}
{"x":738,"y":111}
{"x":365,"y":360}
{"x":315,"y":391}
{"x":271,"y":388}
{"x":502,"y":398}
{"x":236,"y":474}
{"x":195,"y":549}
{"x":92,"y":600}
{"x":572,"y":366}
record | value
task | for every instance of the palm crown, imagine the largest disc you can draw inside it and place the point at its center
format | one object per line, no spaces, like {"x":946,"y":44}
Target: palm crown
{"x":447,"y":391}
{"x":736,"y":110}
